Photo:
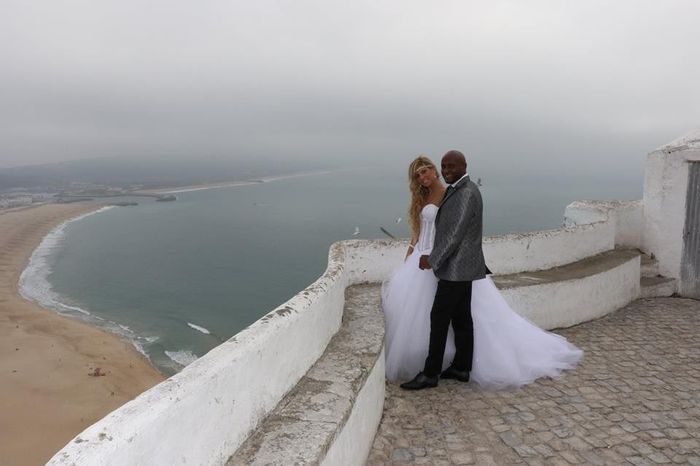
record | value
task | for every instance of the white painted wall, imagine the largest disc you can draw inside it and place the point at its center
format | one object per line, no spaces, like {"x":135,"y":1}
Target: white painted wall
{"x":553,"y":305}
{"x":202,"y":415}
{"x":353,"y":444}
{"x":665,"y":189}
{"x":372,"y":261}
{"x":541,"y":250}
{"x":629,"y":224}
{"x":626,"y":218}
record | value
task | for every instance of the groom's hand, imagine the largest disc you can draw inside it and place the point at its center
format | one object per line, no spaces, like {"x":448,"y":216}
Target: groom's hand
{"x":423,"y":263}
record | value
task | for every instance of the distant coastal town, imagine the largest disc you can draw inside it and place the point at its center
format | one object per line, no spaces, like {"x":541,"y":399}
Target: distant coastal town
{"x":25,"y":197}
{"x":75,"y":191}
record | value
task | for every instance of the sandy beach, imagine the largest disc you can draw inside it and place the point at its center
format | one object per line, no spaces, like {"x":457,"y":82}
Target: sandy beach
{"x":47,"y":392}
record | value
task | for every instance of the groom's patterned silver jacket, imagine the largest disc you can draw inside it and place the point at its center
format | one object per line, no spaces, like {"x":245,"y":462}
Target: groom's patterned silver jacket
{"x":457,"y":254}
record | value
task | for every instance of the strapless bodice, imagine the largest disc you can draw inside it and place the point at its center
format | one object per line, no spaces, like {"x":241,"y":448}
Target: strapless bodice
{"x":427,"y":228}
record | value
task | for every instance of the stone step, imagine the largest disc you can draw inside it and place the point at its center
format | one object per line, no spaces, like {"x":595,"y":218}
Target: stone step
{"x":649,"y":266}
{"x":584,"y":268}
{"x":309,"y":419}
{"x":574,"y":293}
{"x":657,"y":287}
{"x":652,"y":284}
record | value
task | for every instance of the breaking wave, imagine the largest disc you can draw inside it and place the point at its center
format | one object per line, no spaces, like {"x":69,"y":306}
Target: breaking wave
{"x":182,"y":357}
{"x":198,"y":328}
{"x":34,"y":286}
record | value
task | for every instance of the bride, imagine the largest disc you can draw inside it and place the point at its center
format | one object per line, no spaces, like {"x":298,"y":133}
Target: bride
{"x":509,"y":351}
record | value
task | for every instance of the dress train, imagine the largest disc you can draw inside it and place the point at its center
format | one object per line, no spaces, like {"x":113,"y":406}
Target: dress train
{"x":509,"y":350}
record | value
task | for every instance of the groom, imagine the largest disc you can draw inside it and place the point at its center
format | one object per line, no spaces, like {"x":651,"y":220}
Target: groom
{"x":456,"y":260}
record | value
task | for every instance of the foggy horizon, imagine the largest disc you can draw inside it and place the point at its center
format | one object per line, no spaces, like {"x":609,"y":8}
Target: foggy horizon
{"x":546,"y":85}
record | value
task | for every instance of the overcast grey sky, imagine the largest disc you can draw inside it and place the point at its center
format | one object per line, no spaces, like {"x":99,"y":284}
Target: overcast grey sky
{"x":543,"y":82}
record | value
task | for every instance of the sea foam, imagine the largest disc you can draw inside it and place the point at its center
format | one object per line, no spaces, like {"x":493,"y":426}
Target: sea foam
{"x":34,"y":285}
{"x":182,"y":357}
{"x":33,"y":282}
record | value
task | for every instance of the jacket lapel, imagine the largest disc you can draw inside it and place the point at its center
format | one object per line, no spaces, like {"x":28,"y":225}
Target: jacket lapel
{"x":450,"y":192}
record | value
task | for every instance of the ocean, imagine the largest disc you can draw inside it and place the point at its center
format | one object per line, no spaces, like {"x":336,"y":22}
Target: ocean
{"x":178,"y":278}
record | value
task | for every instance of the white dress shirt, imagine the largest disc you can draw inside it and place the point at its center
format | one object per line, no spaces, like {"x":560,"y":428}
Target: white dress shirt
{"x":453,"y":184}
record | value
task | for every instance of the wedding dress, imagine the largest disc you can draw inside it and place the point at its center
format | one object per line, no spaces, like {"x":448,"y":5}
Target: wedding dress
{"x":509,"y":350}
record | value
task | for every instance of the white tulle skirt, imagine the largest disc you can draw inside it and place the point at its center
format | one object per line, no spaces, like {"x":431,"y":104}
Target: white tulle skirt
{"x":509,"y":351}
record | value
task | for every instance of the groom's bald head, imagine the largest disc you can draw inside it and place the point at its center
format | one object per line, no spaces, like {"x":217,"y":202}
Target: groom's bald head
{"x":457,"y":156}
{"x":453,"y":166}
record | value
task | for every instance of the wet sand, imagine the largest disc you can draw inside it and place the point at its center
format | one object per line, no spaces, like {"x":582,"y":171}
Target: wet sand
{"x":47,"y":392}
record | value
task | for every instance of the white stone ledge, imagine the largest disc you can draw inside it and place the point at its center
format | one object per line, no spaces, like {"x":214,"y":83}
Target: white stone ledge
{"x":336,"y":407}
{"x":563,"y":303}
{"x":201,"y":415}
{"x":505,"y":254}
{"x":626,"y":218}
{"x":541,"y":250}
{"x":354,"y":443}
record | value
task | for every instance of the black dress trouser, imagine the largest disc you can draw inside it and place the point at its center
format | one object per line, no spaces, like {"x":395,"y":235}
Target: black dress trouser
{"x":453,"y":304}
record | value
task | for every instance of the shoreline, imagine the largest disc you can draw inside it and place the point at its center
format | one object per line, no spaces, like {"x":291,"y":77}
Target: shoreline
{"x":49,"y":392}
{"x":234,"y":184}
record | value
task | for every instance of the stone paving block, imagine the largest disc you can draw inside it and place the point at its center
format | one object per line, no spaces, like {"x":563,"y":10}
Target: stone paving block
{"x":592,"y":458}
{"x":639,"y":461}
{"x":571,"y":457}
{"x":462,"y":458}
{"x":634,"y":400}
{"x":659,"y":458}
{"x":525,"y":452}
{"x":402,"y":454}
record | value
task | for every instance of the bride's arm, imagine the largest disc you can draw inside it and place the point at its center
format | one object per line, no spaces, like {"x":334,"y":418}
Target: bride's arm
{"x":412,"y":244}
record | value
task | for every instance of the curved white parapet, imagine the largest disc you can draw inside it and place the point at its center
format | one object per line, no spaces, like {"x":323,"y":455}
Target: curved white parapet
{"x":331,"y":415}
{"x":201,"y":415}
{"x":371,"y":261}
{"x":504,"y":254}
{"x":540,"y":250}
{"x":626,"y":217}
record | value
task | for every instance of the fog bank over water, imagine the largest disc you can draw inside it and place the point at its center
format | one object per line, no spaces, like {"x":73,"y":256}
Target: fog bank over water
{"x":523,"y":87}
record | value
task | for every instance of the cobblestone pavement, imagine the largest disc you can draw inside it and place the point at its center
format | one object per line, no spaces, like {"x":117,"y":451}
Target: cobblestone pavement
{"x":635,"y":399}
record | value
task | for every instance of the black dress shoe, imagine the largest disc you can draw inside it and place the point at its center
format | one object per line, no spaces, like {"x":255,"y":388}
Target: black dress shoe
{"x":420,"y":382}
{"x":452,"y":373}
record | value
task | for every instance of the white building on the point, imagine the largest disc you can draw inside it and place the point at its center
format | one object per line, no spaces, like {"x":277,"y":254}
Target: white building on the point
{"x":672,"y":211}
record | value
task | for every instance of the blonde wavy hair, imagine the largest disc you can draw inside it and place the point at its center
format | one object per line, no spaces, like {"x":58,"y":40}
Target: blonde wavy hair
{"x":419,"y":194}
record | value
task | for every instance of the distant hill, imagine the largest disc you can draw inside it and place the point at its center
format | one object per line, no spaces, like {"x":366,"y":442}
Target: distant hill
{"x":153,"y":173}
